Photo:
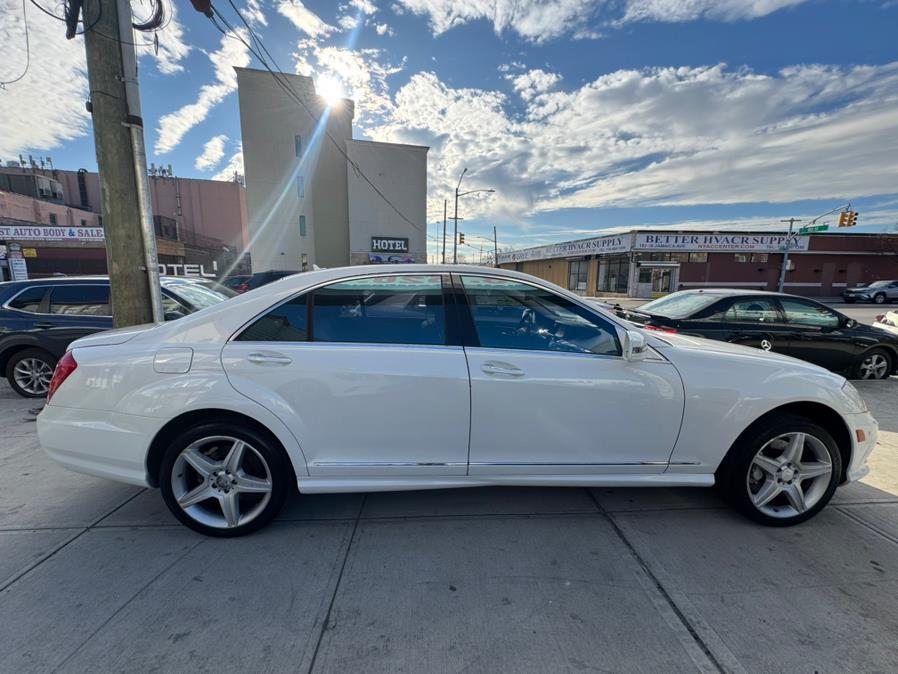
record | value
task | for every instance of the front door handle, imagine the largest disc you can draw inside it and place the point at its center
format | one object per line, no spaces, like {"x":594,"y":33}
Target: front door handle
{"x":501,"y":369}
{"x":268,"y":359}
{"x":43,"y":326}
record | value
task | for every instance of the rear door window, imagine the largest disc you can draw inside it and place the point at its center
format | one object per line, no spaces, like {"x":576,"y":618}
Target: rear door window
{"x":28,"y":300}
{"x":80,"y":300}
{"x":808,"y":314}
{"x":752,"y":310}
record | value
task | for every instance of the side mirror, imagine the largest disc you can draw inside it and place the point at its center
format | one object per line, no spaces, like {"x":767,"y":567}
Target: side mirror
{"x":849,"y":323}
{"x":635,"y":346}
{"x":173,"y":315}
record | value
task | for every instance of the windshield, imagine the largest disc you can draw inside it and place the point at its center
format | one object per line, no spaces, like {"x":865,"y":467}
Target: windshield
{"x":679,"y":305}
{"x":197,"y":295}
{"x":879,"y":284}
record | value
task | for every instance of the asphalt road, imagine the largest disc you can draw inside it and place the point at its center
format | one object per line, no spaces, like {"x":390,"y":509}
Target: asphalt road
{"x":96,"y":576}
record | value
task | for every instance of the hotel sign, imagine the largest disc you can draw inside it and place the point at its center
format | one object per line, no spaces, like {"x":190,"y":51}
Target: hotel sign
{"x":616,"y":243}
{"x":389,"y":244}
{"x":758,"y":243}
{"x":41,"y":233}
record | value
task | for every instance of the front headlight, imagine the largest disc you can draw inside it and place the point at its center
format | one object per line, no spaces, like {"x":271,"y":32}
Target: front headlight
{"x":853,"y":398}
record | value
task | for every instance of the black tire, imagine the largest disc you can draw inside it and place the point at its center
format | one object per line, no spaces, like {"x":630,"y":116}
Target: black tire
{"x":25,"y":356}
{"x":858,"y":371}
{"x":278,"y":467}
{"x":734,"y":474}
{"x":879,"y":298}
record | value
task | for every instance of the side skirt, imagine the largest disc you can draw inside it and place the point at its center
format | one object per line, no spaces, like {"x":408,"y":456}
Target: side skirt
{"x":331,"y":485}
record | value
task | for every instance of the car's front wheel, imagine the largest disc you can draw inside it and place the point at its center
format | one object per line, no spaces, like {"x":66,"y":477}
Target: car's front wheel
{"x":223,"y":479}
{"x":874,"y":364}
{"x":29,"y":372}
{"x":783,"y":472}
{"x":879,"y":298}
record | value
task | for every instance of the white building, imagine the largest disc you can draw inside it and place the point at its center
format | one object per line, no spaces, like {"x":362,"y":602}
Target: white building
{"x":306,"y":204}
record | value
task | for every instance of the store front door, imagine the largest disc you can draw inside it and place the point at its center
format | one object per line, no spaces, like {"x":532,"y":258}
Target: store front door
{"x":657,"y":278}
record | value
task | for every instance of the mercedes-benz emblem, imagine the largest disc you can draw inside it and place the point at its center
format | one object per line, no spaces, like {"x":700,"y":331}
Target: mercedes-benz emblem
{"x":766,"y":344}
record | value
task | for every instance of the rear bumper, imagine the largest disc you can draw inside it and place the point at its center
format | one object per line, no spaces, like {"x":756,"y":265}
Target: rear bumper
{"x":859,"y":466}
{"x":105,"y":444}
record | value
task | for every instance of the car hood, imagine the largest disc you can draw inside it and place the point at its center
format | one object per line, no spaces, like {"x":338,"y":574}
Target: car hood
{"x":110,"y":337}
{"x":857,"y":290}
{"x":668,"y":344}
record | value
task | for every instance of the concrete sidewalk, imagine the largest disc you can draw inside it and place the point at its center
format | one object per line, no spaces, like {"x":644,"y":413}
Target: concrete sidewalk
{"x":97,"y":576}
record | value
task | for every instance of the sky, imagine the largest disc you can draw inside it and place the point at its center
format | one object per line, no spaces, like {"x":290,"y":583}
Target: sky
{"x":582,"y":115}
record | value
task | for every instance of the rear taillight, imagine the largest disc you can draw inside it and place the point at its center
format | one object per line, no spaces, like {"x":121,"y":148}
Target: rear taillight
{"x":661,"y":328}
{"x":64,"y":368}
{"x":243,"y":287}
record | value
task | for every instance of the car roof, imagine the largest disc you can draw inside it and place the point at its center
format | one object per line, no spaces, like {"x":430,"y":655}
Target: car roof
{"x":737,"y":292}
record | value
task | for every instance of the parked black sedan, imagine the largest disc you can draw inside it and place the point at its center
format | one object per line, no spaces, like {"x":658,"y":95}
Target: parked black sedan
{"x":40,"y":318}
{"x":795,"y":326}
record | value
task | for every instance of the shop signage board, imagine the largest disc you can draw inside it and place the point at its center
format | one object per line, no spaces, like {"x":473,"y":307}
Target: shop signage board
{"x":758,"y":243}
{"x":389,"y":244}
{"x":615,"y":243}
{"x":18,"y":269}
{"x":41,"y":233}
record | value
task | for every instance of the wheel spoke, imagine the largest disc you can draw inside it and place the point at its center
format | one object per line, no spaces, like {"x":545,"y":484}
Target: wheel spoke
{"x":768,"y":491}
{"x":795,"y":495}
{"x":230,"y":507}
{"x":196,"y":495}
{"x":235,"y":456}
{"x":248,"y":484}
{"x":199,"y":462}
{"x":768,"y":465}
{"x":793,"y":452}
{"x":812,"y":469}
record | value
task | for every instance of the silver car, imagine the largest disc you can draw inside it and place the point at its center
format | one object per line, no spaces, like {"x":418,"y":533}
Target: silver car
{"x":878,"y":292}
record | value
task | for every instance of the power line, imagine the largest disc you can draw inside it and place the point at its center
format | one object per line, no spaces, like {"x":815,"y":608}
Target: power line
{"x":289,"y":91}
{"x":27,"y":49}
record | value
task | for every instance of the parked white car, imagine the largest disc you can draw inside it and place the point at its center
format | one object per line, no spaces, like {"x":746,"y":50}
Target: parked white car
{"x":887,"y":321}
{"x":420,"y":377}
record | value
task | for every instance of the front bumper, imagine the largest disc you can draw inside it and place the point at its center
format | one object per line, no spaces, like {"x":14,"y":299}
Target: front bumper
{"x":858,"y":467}
{"x":105,"y":444}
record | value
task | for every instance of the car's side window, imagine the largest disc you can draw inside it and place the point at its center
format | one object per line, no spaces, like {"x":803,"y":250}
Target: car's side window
{"x":512,"y":315}
{"x":28,"y":300}
{"x":752,"y":310}
{"x":396,"y":309}
{"x":80,"y":300}
{"x":808,"y":314}
{"x":287,"y":322}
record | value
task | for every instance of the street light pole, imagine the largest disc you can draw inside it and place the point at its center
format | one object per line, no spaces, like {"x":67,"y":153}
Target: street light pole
{"x":445,"y":206}
{"x":455,"y":218}
{"x":791,"y":222}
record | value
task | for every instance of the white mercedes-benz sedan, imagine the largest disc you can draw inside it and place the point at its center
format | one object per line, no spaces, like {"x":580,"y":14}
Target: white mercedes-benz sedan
{"x":425,"y":377}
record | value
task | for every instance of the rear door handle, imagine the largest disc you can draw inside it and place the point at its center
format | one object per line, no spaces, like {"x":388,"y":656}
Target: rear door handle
{"x":43,"y":326}
{"x":501,"y":369}
{"x":268,"y":359}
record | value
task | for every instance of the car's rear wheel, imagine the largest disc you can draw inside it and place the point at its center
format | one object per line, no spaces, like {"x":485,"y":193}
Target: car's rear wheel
{"x":29,"y":372}
{"x":879,"y":298}
{"x":874,"y":364}
{"x":782,"y":472}
{"x":222,"y":479}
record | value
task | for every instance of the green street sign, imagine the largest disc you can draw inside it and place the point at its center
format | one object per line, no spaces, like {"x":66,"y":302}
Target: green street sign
{"x":815,"y":228}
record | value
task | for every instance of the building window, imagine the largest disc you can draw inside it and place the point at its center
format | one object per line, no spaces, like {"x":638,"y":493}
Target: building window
{"x":698,"y":257}
{"x":297,"y":145}
{"x":302,"y":225}
{"x":53,"y":220}
{"x":742,"y":257}
{"x":83,"y":222}
{"x":301,"y":187}
{"x":579,"y":274}
{"x":759,"y":257}
{"x":614,"y":274}
{"x":679,"y":257}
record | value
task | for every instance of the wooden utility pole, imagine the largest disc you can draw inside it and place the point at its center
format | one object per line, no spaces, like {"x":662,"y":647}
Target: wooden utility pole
{"x":445,"y":206}
{"x":785,"y":265}
{"x":495,"y":248}
{"x":121,"y":158}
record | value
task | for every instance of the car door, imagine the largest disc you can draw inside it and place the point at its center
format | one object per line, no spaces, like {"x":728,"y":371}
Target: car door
{"x":363,"y":374}
{"x":756,"y":321}
{"x":551,"y":393}
{"x":821,"y":336}
{"x":74,"y":310}
{"x":892,"y":291}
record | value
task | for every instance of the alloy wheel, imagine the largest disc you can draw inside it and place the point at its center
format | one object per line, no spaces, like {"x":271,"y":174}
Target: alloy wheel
{"x":874,"y":366}
{"x":789,"y":475}
{"x":221,"y":481}
{"x":33,"y":376}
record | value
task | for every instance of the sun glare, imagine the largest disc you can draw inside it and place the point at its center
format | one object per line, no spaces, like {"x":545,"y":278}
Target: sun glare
{"x":330,"y":89}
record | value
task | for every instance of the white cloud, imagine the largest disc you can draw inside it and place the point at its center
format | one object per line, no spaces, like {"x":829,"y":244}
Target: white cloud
{"x":364,"y":6}
{"x":540,"y":20}
{"x":46,"y":107}
{"x":347,"y":22}
{"x":213,"y":151}
{"x":174,"y":125}
{"x":384,"y":29}
{"x":172,"y":46}
{"x":253,"y":13}
{"x":661,"y":136}
{"x":305,"y":19}
{"x":234,"y":166}
{"x":534,"y":82}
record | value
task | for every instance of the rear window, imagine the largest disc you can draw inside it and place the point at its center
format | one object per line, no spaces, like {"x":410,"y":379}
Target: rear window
{"x":679,"y":305}
{"x":28,"y":300}
{"x":80,"y":300}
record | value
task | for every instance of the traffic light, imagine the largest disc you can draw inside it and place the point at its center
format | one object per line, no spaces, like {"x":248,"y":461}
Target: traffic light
{"x":847,"y":218}
{"x":461,"y":237}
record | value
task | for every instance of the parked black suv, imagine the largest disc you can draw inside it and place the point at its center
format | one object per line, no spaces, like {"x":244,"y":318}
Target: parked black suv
{"x":40,"y":318}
